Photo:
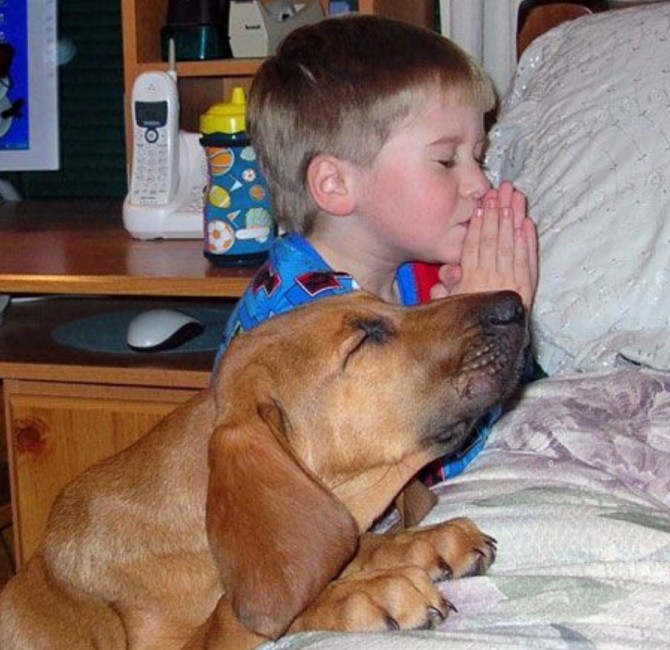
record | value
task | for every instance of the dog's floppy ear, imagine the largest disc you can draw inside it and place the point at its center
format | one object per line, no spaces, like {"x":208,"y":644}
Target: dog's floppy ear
{"x":278,"y":536}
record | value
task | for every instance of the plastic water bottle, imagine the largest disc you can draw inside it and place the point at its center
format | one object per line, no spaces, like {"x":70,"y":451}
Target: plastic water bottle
{"x":239,"y":227}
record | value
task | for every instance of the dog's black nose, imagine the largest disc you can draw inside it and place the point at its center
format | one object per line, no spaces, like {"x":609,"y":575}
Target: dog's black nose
{"x":504,"y":309}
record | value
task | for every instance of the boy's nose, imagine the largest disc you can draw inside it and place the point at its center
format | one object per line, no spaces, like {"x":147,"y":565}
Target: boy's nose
{"x":475,"y":185}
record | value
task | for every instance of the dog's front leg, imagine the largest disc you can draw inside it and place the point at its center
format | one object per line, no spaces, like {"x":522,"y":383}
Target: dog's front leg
{"x":392,"y":599}
{"x":389,"y":584}
{"x":453,"y":549}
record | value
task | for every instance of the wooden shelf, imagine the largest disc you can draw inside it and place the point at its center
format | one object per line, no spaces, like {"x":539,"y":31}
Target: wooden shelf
{"x":81,"y":247}
{"x":143,"y":54}
{"x":203,"y":83}
{"x":218,"y":68}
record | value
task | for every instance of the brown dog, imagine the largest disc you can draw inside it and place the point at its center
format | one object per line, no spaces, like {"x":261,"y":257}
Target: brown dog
{"x":243,"y":515}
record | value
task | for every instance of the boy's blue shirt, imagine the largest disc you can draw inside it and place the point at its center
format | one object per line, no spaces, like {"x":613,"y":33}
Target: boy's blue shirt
{"x":295,"y":274}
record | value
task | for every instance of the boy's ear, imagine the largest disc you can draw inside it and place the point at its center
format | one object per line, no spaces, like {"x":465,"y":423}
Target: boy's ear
{"x":331,"y":184}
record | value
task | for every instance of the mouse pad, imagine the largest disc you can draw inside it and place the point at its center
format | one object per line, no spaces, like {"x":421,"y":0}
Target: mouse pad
{"x":107,"y":332}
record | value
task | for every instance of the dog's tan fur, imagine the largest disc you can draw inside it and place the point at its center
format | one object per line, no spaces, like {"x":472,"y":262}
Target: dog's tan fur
{"x":243,"y":515}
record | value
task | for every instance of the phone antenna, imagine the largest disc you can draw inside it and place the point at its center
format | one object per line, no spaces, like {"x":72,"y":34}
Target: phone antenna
{"x":172,"y":60}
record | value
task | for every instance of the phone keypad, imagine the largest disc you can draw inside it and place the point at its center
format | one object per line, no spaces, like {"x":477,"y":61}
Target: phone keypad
{"x":151,"y":175}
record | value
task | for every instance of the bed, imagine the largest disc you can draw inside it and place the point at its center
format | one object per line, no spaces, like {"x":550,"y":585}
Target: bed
{"x":575,"y":483}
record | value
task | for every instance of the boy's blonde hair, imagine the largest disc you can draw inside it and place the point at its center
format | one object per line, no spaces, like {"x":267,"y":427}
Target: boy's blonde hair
{"x":339,"y":87}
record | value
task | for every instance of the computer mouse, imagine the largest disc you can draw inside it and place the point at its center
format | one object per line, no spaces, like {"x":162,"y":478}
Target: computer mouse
{"x":156,"y":330}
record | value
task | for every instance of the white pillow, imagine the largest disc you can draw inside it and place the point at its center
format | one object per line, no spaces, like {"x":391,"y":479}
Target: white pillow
{"x":585,"y":133}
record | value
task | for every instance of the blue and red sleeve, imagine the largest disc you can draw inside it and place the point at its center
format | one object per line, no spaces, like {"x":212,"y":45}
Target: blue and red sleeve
{"x":425,"y":276}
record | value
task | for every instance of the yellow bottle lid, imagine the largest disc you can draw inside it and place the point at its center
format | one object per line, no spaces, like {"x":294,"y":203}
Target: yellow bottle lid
{"x":226,"y":117}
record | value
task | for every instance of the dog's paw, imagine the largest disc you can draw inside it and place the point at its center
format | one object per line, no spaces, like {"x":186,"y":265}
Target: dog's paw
{"x":453,"y":549}
{"x":467,"y":550}
{"x":403,"y":598}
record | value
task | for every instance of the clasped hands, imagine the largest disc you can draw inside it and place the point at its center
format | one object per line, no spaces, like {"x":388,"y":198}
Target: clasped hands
{"x":499,"y":251}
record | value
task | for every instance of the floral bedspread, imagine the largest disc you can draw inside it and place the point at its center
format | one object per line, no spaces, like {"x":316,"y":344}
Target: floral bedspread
{"x":575,"y":486}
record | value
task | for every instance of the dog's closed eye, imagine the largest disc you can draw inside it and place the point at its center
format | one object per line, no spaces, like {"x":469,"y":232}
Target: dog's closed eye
{"x":368,"y":330}
{"x":375,"y":329}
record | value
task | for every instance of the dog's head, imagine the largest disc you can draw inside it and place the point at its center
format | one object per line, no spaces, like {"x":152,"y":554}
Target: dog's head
{"x":324,"y":414}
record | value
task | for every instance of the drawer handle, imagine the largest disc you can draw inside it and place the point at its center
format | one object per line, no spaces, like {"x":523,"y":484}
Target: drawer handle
{"x":29,"y":435}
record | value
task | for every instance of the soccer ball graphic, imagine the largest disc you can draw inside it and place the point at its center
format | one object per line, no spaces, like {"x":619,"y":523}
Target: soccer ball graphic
{"x":220,"y":236}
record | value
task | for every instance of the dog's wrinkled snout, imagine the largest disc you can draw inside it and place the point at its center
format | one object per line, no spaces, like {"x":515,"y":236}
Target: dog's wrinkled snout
{"x":503,"y":310}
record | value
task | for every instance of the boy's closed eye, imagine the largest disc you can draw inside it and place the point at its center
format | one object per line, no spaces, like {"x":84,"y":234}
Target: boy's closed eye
{"x":448,"y":164}
{"x":451,"y":163}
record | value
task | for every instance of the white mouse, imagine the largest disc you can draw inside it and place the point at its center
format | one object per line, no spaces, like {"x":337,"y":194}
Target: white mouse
{"x":161,"y":329}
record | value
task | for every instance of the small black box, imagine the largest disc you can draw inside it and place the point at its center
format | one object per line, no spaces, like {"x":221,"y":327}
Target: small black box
{"x":199,"y":29}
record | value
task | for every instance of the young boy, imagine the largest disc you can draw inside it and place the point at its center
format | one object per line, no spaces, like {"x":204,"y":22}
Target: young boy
{"x":370,"y":133}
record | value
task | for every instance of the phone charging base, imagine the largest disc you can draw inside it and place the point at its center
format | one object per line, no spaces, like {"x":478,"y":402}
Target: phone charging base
{"x":161,"y":222}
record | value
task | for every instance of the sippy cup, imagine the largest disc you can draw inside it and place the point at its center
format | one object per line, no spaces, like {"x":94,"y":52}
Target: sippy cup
{"x":238,"y":219}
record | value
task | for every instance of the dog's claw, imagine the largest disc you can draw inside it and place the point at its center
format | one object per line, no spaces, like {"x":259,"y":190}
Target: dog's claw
{"x":446,"y":571}
{"x":482,"y":561}
{"x":435,"y":617}
{"x":486,"y":555}
{"x":492,"y":547}
{"x":392,"y":624}
{"x":449,"y":605}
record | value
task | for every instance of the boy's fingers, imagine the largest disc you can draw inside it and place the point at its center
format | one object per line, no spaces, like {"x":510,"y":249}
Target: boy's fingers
{"x":505,"y":193}
{"x":471,"y":243}
{"x":488,"y":255}
{"x":450,"y":275}
{"x":522,"y":271}
{"x":438,"y":291}
{"x":490,"y":195}
{"x":506,"y":243}
{"x":531,"y":237}
{"x":509,"y":197}
{"x":519,"y":208}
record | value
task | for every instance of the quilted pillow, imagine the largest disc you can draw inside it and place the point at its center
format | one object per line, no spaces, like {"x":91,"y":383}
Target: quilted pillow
{"x":585,"y":133}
